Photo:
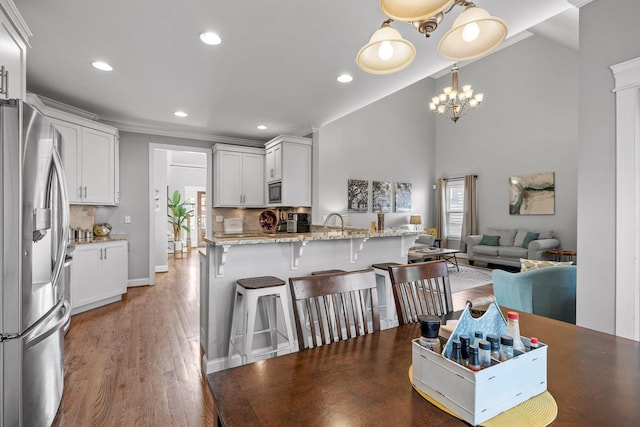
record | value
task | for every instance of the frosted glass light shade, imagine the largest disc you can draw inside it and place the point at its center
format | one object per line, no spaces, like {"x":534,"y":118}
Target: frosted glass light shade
{"x":372,"y":59}
{"x":492,"y":33}
{"x":412,"y":10}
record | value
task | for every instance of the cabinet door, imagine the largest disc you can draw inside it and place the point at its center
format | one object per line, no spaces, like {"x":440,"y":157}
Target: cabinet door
{"x":253,"y":180}
{"x":97,"y":167}
{"x":113,"y":271}
{"x":71,"y":154}
{"x":85,"y":275}
{"x":229,"y":178}
{"x":13,"y":51}
{"x":273,"y":171}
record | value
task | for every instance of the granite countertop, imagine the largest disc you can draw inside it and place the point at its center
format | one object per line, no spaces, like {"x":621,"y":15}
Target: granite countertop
{"x":96,"y":239}
{"x":332,"y":233}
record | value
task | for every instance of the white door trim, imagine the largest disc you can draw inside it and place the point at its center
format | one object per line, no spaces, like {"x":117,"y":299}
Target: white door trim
{"x":627,"y":90}
{"x":151,"y":192}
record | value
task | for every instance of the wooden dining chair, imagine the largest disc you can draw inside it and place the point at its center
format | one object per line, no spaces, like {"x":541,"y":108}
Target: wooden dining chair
{"x":421,"y":288}
{"x":333,"y":307}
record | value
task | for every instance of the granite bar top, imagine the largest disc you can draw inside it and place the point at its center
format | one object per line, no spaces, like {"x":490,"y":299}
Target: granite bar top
{"x":332,"y":233}
{"x":98,"y":239}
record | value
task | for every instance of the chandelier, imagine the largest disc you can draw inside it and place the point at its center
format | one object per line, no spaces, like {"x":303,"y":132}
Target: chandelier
{"x":454,"y":103}
{"x":474,"y":34}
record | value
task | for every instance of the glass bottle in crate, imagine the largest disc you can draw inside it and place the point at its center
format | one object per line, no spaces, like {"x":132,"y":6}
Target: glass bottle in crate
{"x":474,"y":360}
{"x":506,"y":348}
{"x":484,"y":353}
{"x":495,"y":346}
{"x":456,"y":353}
{"x":513,"y":330}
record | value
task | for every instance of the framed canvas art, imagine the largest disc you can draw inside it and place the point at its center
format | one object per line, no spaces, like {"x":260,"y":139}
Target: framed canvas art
{"x":403,"y":197}
{"x":532,"y":194}
{"x":358,"y":195}
{"x":381,"y":192}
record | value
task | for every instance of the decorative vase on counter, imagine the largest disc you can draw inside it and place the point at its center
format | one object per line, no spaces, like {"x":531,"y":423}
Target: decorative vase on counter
{"x":102,"y":230}
{"x":380,"y":220}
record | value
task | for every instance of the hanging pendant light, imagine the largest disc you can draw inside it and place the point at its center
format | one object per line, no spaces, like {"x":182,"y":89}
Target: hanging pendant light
{"x":474,"y":33}
{"x":386,"y":52}
{"x":412,"y":10}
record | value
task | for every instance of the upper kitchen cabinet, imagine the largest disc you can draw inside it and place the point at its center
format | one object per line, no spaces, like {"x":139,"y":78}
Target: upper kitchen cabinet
{"x":238,"y":176}
{"x":90,"y":156}
{"x":14,"y":40}
{"x":288,"y":160}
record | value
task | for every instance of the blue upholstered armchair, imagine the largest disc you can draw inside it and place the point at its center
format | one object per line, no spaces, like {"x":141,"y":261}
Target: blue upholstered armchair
{"x":548,"y":292}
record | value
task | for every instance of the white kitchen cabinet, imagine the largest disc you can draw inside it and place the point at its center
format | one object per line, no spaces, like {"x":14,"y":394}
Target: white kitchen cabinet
{"x":99,"y":274}
{"x":273,"y":169}
{"x":238,"y":176}
{"x":13,"y":52}
{"x":290,"y":164}
{"x":90,"y":159}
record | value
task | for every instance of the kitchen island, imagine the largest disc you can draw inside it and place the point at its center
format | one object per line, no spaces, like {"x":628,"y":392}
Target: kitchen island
{"x":283,"y":255}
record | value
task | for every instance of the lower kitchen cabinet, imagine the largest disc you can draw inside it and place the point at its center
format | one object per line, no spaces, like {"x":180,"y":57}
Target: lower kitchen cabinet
{"x":98,"y":274}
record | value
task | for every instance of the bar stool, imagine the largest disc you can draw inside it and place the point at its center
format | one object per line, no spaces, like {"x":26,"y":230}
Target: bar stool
{"x":388,"y":314}
{"x":249,"y":292}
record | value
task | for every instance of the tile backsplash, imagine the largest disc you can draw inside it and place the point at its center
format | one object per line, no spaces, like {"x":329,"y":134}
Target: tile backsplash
{"x":83,"y":217}
{"x":250,"y":217}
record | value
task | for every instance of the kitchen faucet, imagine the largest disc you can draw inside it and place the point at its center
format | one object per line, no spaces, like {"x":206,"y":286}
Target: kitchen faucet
{"x":326,"y":221}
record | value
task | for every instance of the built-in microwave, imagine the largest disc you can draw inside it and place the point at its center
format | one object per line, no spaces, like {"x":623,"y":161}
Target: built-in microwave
{"x":275,"y":192}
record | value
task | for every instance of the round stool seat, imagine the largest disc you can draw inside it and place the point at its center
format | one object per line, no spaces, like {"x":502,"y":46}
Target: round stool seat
{"x":260,"y":282}
{"x":314,"y":273}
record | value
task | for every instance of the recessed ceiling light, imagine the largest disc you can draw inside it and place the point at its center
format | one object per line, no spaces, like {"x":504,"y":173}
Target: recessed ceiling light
{"x":210,"y":38}
{"x":345,"y":78}
{"x":102,"y":66}
{"x":262,"y":127}
{"x":180,"y":114}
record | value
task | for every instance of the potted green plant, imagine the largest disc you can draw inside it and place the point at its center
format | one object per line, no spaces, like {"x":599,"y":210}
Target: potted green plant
{"x":179,"y":216}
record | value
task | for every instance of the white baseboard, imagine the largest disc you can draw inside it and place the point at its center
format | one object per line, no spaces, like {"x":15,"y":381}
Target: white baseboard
{"x":220,"y":363}
{"x":139,"y":282}
{"x":162,"y":268}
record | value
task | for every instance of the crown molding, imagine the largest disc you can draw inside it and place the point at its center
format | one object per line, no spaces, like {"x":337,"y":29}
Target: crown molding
{"x":61,"y":106}
{"x":579,"y":3}
{"x":16,"y":19}
{"x":186,"y":134}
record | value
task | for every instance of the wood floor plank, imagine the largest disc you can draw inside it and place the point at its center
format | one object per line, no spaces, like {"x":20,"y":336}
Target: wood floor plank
{"x":137,"y":362}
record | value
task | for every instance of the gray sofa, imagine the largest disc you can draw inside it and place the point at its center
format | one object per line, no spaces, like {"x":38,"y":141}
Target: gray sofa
{"x":510,"y":248}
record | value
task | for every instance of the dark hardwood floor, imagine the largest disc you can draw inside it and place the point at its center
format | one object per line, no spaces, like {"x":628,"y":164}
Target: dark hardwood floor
{"x":137,"y":362}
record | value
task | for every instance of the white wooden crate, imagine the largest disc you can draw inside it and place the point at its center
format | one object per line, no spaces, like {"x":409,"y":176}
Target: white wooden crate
{"x":478,"y":396}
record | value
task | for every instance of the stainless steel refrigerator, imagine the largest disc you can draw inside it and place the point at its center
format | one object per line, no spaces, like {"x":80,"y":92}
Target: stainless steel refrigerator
{"x":34,"y":232}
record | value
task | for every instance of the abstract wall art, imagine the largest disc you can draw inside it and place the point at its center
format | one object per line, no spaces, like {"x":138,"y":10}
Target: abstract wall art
{"x":532,"y":194}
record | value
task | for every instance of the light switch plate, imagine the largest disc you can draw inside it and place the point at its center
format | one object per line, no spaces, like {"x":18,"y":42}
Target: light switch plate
{"x":127,"y":219}
{"x":219,"y":218}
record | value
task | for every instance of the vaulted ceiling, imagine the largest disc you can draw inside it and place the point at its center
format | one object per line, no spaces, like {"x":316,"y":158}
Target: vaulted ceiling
{"x":277,"y":64}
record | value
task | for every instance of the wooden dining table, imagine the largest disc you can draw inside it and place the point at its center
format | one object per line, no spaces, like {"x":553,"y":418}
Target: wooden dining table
{"x":594,"y":378}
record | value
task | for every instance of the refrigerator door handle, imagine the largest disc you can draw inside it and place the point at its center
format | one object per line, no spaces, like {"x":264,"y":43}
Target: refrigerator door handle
{"x":43,"y":329}
{"x":64,"y":241}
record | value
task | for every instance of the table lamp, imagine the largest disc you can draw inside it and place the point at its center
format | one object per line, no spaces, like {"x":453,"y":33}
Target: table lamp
{"x":415,"y":220}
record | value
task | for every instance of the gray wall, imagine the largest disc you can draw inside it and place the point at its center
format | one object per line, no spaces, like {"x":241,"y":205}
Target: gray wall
{"x":134,"y":196}
{"x":609,"y":34}
{"x":527,"y":123}
{"x":389,"y":140}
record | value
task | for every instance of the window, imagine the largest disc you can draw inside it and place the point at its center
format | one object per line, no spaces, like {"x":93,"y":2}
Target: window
{"x":454,"y":207}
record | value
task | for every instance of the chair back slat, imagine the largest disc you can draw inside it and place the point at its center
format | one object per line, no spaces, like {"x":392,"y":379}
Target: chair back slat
{"x":421,"y":288}
{"x":334,"y":307}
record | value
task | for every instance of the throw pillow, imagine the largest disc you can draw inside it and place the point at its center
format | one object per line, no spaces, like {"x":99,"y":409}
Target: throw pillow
{"x":520,"y":235}
{"x":534,"y":264}
{"x":529,"y":238}
{"x":490,"y":240}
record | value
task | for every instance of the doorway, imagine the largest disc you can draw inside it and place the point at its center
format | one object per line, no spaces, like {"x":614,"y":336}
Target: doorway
{"x":188,"y":170}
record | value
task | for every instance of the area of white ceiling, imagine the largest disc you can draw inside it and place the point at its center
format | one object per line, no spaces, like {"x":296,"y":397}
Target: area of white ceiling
{"x":277,"y":64}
